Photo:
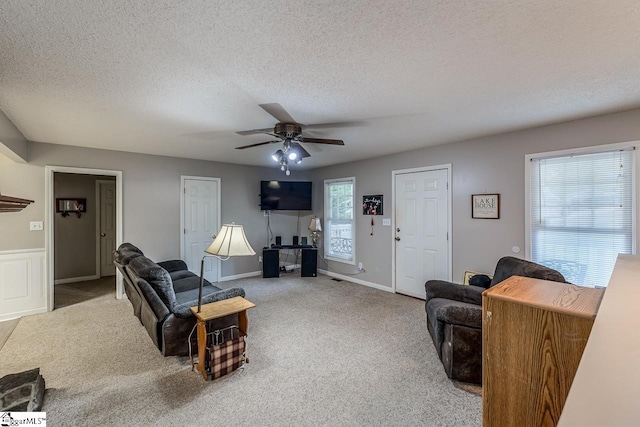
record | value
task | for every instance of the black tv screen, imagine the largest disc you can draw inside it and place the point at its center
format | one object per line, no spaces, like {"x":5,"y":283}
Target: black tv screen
{"x":285,"y":196}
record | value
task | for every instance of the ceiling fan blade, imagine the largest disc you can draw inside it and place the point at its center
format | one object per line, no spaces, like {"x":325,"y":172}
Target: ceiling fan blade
{"x":256,"y":145}
{"x":323,"y":141}
{"x":304,"y":153}
{"x":277,"y":111}
{"x":254,"y":131}
{"x":336,"y":125}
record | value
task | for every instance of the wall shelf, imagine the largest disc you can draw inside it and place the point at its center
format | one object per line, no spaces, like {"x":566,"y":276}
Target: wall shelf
{"x":13,"y":204}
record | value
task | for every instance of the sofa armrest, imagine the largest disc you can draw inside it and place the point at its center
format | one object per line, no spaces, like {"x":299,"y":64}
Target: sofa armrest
{"x":453,"y":291}
{"x":173,"y":265}
{"x":183,"y":310}
{"x":456,"y":312}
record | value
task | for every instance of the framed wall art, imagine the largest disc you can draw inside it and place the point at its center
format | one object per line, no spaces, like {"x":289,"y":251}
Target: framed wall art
{"x":485,"y":206}
{"x":372,"y":205}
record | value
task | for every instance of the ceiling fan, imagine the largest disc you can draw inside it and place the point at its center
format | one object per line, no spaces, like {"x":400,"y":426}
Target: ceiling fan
{"x":289,"y":133}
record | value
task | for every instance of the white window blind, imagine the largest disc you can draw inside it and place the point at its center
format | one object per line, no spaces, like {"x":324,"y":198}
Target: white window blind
{"x":339,"y":235}
{"x":582,"y":213}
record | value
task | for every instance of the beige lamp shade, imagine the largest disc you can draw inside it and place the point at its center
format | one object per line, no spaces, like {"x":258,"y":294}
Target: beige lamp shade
{"x":230,"y":241}
{"x":315,"y":224}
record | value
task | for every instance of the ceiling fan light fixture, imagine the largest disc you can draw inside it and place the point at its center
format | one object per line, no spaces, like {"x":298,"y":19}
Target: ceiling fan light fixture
{"x":277,"y":156}
{"x":293,"y":155}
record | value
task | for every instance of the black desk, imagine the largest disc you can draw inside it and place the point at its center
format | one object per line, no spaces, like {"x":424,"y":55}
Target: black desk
{"x":271,"y":260}
{"x":293,"y":247}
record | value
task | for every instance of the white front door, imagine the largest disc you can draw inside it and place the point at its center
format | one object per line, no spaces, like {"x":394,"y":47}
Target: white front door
{"x":200,"y":223}
{"x":422,"y":226}
{"x":107,"y":227}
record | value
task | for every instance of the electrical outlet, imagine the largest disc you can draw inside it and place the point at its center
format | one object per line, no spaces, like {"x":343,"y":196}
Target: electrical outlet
{"x":36,"y":226}
{"x":359,"y":266}
{"x":259,"y":258}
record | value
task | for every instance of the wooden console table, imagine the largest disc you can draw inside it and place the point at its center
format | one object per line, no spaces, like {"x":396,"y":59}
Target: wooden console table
{"x":533,"y":335}
{"x":215,"y":310}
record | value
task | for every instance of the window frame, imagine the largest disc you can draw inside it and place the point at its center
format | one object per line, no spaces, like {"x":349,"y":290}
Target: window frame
{"x":634,"y":145}
{"x":327,"y":218}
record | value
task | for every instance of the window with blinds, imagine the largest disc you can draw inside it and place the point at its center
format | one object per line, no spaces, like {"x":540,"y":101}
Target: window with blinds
{"x":339,"y":235}
{"x":582,"y":213}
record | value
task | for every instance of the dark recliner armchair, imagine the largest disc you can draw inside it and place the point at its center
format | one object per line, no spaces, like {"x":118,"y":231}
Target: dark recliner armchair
{"x":454,"y":316}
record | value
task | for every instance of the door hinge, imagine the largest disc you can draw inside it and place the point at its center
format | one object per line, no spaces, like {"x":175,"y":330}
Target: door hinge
{"x":185,"y":231}
{"x":447,"y":236}
{"x":447,"y":185}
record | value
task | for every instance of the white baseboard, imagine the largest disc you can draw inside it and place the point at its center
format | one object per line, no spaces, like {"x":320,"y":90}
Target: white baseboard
{"x":19,"y":314}
{"x":357,"y":281}
{"x":75,"y":279}
{"x":241,"y":276}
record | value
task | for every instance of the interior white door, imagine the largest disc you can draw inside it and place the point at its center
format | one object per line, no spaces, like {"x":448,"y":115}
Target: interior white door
{"x":201,"y":223}
{"x":422,"y":225}
{"x":107,"y":228}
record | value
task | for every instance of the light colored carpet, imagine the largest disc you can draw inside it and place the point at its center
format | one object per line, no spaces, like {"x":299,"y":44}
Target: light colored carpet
{"x":322,"y":353}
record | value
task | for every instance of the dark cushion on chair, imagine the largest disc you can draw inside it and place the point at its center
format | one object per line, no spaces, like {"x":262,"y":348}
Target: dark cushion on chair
{"x":157,"y":277}
{"x":125,"y":253}
{"x":480,"y":280}
{"x":453,"y":291}
{"x":510,"y":266}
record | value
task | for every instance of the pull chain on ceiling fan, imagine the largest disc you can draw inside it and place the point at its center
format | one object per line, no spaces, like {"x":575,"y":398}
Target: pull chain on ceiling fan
{"x":289,"y":133}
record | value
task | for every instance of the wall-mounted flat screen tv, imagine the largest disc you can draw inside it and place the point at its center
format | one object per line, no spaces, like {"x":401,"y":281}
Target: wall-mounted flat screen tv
{"x":285,"y":195}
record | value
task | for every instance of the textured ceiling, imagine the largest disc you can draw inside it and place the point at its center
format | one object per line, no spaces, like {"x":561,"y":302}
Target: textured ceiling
{"x":178,"y":78}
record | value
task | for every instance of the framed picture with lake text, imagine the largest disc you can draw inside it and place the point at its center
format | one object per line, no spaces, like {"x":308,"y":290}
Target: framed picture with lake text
{"x":485,"y":206}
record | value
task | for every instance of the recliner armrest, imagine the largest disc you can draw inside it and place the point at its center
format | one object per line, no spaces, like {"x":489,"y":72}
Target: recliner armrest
{"x":453,"y":291}
{"x":183,"y":310}
{"x":173,"y":265}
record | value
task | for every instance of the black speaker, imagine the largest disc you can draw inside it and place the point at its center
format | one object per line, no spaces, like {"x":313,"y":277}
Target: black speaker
{"x":304,"y":240}
{"x":295,"y":240}
{"x":278,"y":240}
{"x":309,"y":263}
{"x":270,"y":262}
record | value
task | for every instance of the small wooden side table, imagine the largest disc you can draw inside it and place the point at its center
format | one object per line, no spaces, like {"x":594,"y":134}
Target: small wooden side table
{"x":216,"y":310}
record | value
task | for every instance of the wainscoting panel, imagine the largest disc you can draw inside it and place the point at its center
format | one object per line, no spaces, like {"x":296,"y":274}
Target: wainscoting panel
{"x":22,"y":284}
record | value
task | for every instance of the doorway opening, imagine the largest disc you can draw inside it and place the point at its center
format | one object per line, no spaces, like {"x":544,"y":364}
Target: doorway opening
{"x":79,"y":242}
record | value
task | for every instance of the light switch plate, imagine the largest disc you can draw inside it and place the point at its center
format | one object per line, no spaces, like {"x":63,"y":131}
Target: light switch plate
{"x":36,"y":226}
{"x":386,"y":221}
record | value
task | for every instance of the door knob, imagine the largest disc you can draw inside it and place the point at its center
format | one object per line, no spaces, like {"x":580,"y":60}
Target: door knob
{"x":103,"y":234}
{"x":398,"y":230}
{"x":398,"y":239}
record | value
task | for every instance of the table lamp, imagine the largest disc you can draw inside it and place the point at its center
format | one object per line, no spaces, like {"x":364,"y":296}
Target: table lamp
{"x":230,"y":241}
{"x":315,"y":228}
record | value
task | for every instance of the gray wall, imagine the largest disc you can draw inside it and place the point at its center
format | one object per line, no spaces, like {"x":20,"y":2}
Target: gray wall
{"x":152,"y":186}
{"x":485,"y":165}
{"x":151,"y":199}
{"x":27,"y":182}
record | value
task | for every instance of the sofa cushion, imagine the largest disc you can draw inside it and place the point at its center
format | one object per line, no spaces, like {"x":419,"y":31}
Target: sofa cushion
{"x":157,"y":277}
{"x":191,"y":294}
{"x":510,"y":266}
{"x":188,"y":283}
{"x":210,"y":293}
{"x":126,"y":252}
{"x":181,"y":274}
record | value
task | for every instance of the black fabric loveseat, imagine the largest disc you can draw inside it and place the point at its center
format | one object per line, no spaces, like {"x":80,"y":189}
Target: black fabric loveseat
{"x":161,"y":295}
{"x":454,"y":316}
